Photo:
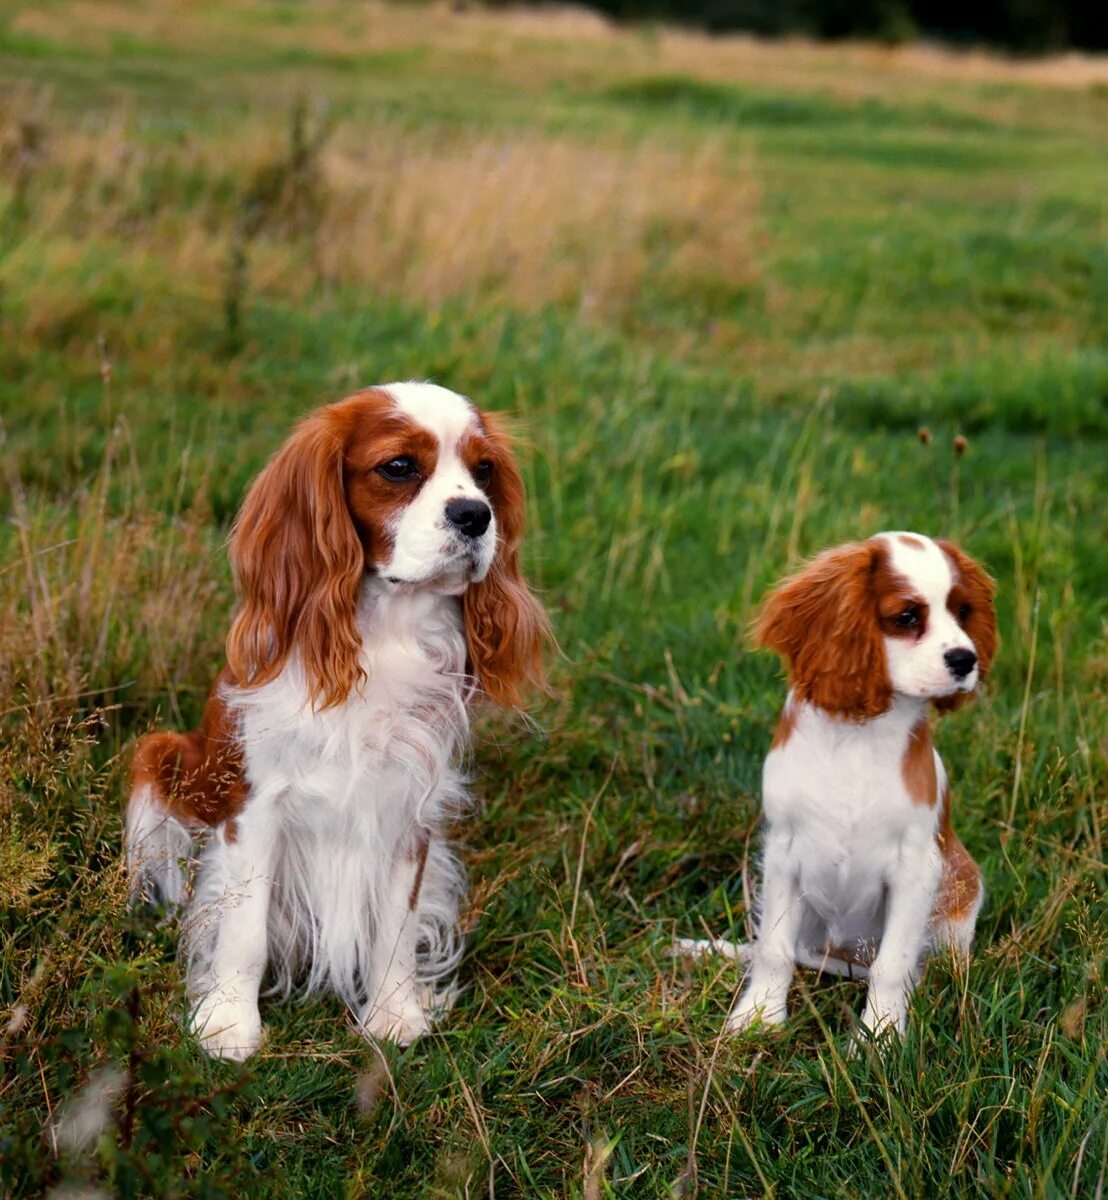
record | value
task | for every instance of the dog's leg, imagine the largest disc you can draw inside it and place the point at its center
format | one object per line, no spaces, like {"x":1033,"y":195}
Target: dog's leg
{"x":158,"y":839}
{"x":396,"y":1009}
{"x":156,"y":843}
{"x":230,"y":923}
{"x":959,"y":900}
{"x":956,"y":935}
{"x":893,"y":973}
{"x":767,"y":986}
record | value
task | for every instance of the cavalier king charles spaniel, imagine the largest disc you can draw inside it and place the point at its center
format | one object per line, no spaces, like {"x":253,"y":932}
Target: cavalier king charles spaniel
{"x":863,"y":873}
{"x":377,"y":561}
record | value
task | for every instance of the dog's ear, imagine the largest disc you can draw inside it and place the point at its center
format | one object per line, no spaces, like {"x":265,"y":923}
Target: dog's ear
{"x":975,"y":590}
{"x":823,"y":622}
{"x":298,"y":564}
{"x":506,"y":629}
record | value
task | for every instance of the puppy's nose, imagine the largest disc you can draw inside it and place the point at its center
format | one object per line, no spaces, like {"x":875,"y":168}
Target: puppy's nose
{"x":960,"y":662}
{"x":472,"y":517}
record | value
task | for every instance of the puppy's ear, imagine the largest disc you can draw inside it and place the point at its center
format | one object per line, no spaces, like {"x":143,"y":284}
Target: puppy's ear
{"x":507,"y":631}
{"x":299,"y":564}
{"x":823,"y":622}
{"x":974,"y":587}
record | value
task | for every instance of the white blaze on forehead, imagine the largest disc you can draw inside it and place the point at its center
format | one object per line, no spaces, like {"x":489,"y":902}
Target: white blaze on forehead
{"x":443,"y":412}
{"x":922,"y":562}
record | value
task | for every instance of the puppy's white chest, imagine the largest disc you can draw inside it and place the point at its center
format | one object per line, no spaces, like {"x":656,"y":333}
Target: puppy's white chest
{"x":843,"y":842}
{"x":838,"y":793}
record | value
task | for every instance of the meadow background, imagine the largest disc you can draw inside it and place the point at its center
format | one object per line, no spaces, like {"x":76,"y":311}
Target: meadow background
{"x":722,"y":285}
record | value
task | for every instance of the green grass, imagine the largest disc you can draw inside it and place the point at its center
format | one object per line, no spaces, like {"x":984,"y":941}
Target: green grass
{"x":919,"y":252}
{"x":714,"y":103}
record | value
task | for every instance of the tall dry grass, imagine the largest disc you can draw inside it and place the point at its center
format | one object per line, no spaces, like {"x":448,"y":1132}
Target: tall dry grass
{"x":428,"y":214}
{"x":98,"y":595}
{"x":104,"y":602}
{"x":533,"y":220}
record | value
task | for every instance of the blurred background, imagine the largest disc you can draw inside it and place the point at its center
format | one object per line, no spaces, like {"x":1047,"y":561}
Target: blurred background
{"x":745,"y":296}
{"x":1028,"y":26}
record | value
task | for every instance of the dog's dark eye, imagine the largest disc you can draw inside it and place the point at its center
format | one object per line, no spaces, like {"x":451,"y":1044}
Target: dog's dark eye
{"x":964,"y":614}
{"x":908,"y":619}
{"x":482,"y":473}
{"x":397,"y":470}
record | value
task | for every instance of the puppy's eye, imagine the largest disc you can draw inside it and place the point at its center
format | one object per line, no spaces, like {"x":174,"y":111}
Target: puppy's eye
{"x":908,"y":619}
{"x":482,"y":473}
{"x":399,"y":469}
{"x":964,"y":614}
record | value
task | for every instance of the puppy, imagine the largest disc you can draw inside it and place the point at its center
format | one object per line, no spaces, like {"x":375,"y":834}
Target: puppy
{"x":377,"y":558}
{"x":863,"y":873}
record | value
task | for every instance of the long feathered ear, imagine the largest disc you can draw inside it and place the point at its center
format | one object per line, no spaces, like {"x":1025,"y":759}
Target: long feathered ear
{"x":507,"y":631}
{"x":977,"y":589}
{"x":298,"y":564}
{"x":823,"y":622}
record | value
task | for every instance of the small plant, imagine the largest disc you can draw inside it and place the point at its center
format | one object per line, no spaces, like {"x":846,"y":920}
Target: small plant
{"x":128,"y":1122}
{"x":285,"y":199}
{"x":959,"y":446}
{"x":23,"y":141}
{"x":235,"y":283}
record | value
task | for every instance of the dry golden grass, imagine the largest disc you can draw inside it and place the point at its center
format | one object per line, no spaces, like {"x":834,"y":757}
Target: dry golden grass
{"x":92,"y":600}
{"x":864,"y":68}
{"x":430,"y":214}
{"x":532,"y":219}
{"x":99,"y":608}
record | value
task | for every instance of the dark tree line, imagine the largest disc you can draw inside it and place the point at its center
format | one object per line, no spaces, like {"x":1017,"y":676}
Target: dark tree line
{"x":1026,"y":26}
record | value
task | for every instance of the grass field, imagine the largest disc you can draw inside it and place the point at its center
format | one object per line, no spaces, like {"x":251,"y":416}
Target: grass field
{"x":721,"y":285}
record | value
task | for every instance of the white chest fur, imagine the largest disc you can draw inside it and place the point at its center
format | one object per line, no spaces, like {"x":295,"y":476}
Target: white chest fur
{"x":336,"y":873}
{"x":388,"y":750}
{"x":836,"y":801}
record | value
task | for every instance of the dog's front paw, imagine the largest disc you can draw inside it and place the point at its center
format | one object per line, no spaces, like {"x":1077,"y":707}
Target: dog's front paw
{"x":400,"y":1020}
{"x":754,"y":1010}
{"x":227,"y":1027}
{"x":885,"y":1015}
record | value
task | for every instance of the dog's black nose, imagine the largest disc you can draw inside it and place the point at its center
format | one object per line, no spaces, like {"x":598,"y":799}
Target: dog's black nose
{"x":472,"y":517}
{"x":960,"y":662}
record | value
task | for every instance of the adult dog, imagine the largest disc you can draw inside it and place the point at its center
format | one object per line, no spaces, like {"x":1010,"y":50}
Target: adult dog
{"x":377,"y":557}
